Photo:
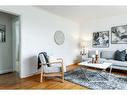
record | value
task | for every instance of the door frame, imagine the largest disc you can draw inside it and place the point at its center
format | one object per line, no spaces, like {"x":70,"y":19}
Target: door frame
{"x":20,"y":51}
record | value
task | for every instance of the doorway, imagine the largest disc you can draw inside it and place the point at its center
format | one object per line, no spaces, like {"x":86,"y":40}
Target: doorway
{"x":9,"y":48}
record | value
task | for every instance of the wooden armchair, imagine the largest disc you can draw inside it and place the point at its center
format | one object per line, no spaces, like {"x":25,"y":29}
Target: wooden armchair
{"x":52,"y":68}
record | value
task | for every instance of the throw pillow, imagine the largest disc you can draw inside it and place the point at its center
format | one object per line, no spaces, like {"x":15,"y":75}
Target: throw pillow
{"x":92,"y":52}
{"x":116,"y":56}
{"x":126,"y":57}
{"x":120,"y":55}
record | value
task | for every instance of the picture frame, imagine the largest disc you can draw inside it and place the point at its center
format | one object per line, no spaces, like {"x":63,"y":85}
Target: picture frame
{"x":2,"y":33}
{"x":100,"y":39}
{"x":119,"y":34}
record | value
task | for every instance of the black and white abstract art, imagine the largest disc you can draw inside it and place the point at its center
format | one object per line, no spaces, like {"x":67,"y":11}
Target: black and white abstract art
{"x":119,"y":34}
{"x":101,"y":39}
{"x":2,"y":33}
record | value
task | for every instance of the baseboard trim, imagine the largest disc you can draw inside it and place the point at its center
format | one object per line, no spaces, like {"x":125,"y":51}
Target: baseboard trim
{"x":26,"y":76}
{"x":6,"y":71}
{"x":30,"y":75}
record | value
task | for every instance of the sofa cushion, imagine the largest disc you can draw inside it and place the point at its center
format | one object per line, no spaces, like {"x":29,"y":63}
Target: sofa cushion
{"x":117,"y":63}
{"x":107,"y":54}
{"x":120,"y":55}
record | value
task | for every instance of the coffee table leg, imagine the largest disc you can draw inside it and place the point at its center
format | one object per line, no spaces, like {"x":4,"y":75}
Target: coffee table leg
{"x":106,"y":72}
{"x":98,"y":72}
{"x":110,"y":72}
{"x":84,"y":72}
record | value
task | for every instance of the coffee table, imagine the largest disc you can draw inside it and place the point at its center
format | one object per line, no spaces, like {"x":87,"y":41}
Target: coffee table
{"x":102,"y":66}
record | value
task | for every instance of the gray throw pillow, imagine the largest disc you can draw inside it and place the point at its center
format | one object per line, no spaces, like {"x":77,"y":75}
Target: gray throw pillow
{"x":120,"y":55}
{"x":126,"y":57}
{"x":92,"y":52}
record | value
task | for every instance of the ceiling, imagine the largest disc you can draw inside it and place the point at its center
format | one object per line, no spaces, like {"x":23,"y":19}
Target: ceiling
{"x":85,"y":13}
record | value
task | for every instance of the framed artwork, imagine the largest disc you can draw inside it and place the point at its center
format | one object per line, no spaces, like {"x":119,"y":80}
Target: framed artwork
{"x":2,"y":33}
{"x":119,"y":34}
{"x":100,"y":39}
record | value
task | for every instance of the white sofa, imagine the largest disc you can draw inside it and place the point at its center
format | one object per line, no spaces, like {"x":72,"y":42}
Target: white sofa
{"x":117,"y":64}
{"x":108,"y":56}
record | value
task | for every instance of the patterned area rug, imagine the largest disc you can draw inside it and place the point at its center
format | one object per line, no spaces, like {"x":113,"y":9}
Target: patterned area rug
{"x":96,"y":81}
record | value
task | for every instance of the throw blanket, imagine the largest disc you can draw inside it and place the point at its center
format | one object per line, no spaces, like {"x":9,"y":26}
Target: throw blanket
{"x":39,"y":61}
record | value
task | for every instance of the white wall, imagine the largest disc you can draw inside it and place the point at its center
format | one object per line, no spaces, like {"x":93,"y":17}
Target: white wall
{"x":37,"y":34}
{"x":6,"y":48}
{"x":87,"y":28}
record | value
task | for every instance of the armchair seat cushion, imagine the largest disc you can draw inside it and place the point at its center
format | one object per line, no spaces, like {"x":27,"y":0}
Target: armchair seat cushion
{"x":52,"y":69}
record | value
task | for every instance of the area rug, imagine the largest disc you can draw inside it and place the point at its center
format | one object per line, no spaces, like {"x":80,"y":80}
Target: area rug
{"x":96,"y":81}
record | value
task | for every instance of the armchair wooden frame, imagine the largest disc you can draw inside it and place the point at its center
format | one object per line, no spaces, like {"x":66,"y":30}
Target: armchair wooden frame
{"x":43,"y":74}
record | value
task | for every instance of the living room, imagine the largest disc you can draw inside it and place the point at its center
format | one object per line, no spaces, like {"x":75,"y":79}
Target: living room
{"x":77,"y":34}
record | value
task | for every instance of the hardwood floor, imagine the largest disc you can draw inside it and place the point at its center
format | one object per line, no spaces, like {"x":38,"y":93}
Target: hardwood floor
{"x":11,"y":81}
